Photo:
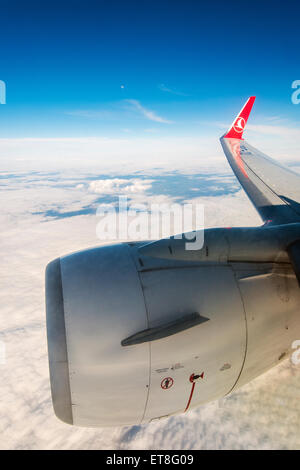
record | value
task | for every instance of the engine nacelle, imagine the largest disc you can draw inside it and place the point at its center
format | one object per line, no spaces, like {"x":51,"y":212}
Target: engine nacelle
{"x":132,"y":338}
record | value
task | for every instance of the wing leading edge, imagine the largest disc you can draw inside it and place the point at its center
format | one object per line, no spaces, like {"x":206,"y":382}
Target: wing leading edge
{"x":273,"y":188}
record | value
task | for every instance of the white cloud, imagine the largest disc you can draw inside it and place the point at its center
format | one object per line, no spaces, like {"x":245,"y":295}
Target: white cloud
{"x":117,"y":110}
{"x":277,"y":130}
{"x":173,"y":91}
{"x":126,"y":153}
{"x":119,"y":186}
{"x":151,"y":115}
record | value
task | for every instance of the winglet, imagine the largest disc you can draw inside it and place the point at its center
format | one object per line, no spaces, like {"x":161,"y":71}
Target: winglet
{"x":237,"y":128}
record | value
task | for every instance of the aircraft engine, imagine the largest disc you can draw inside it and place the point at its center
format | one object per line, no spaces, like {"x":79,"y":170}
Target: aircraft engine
{"x":132,"y":337}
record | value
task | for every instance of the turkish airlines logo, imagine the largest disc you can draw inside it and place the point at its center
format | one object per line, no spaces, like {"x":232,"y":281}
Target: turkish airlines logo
{"x":239,"y":124}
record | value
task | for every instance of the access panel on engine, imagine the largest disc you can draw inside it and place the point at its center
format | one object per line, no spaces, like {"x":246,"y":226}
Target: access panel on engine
{"x":203,"y":362}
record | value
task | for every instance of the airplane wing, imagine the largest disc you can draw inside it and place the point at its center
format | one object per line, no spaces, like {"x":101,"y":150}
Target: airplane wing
{"x":273,"y":188}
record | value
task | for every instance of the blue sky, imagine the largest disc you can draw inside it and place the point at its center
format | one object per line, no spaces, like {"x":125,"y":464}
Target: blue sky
{"x":144,"y":68}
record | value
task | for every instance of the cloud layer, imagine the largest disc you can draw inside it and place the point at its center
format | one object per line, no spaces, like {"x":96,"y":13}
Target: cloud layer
{"x":264,"y":414}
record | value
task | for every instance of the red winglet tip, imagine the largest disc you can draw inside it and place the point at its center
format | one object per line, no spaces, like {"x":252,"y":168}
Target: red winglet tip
{"x":237,"y":128}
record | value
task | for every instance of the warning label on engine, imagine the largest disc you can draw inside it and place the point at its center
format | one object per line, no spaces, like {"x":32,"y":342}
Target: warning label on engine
{"x":167,"y":383}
